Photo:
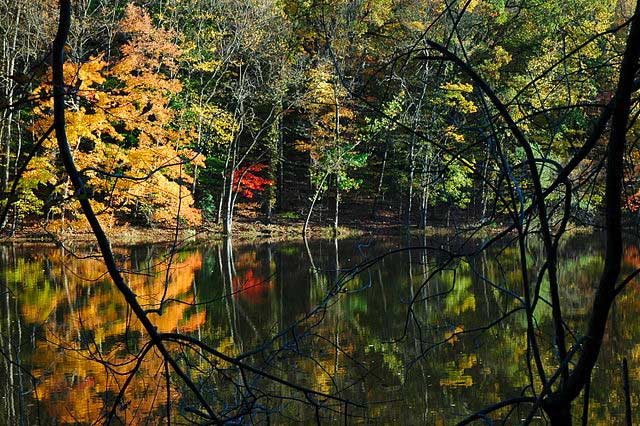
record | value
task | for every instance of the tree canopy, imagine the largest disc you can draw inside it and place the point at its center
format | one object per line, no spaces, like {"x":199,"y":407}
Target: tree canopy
{"x":315,"y":103}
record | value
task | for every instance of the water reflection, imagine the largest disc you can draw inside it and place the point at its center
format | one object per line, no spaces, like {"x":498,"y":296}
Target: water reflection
{"x":68,"y":339}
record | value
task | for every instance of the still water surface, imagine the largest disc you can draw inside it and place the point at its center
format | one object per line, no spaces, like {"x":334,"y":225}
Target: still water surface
{"x":68,"y":337}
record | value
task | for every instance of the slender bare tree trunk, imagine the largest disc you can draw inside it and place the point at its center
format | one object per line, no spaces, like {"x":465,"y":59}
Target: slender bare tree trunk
{"x":229,"y":191}
{"x":413,"y":148}
{"x":338,"y":160}
{"x":280,"y":153}
{"x":485,"y":195}
{"x":374,"y":207}
{"x":313,"y":203}
{"x":337,"y":206}
{"x":412,"y":168}
{"x":426,"y":190}
{"x":6,"y":131}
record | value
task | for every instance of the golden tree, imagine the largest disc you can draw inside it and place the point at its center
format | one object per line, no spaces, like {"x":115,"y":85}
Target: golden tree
{"x":122,"y":126}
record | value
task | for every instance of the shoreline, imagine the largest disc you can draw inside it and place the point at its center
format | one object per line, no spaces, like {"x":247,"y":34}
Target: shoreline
{"x":243,"y":231}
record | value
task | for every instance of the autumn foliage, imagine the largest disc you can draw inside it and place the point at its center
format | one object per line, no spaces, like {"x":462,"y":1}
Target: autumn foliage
{"x":121,"y":127}
{"x":73,"y":398}
{"x":247,"y":182}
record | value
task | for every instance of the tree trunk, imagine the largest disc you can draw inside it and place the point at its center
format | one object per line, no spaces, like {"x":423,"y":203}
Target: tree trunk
{"x":9,"y":92}
{"x":280,"y":152}
{"x":228,"y":221}
{"x":485,"y":194}
{"x":336,"y":142}
{"x":412,"y":148}
{"x":425,"y":207}
{"x":7,"y":119}
{"x":426,"y":190}
{"x":231,"y":191}
{"x":221,"y":199}
{"x":374,"y":208}
{"x":228,"y":170}
{"x":337,"y":207}
{"x":271,"y":194}
{"x":559,"y":413}
{"x":412,"y":167}
{"x":313,"y":203}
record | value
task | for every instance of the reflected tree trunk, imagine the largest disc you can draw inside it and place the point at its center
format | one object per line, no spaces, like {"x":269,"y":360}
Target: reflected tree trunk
{"x":9,"y":384}
{"x":228,"y":289}
{"x":426,"y":190}
{"x":229,"y":273}
{"x":338,"y":319}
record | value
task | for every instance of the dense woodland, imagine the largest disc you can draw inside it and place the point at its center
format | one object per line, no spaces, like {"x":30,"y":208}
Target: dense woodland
{"x":515,"y":118}
{"x":313,"y":110}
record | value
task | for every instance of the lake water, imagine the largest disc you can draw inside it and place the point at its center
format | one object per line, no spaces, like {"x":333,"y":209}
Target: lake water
{"x":68,"y":339}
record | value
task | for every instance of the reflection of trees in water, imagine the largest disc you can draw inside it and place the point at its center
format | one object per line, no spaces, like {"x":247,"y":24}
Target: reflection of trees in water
{"x":17,"y":381}
{"x":86,"y":342}
{"x":525,"y":175}
{"x":351,"y":347}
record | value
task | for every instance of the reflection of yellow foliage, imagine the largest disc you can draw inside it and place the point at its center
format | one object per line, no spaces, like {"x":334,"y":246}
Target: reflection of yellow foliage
{"x":451,"y":336}
{"x":468,"y":361}
{"x":457,"y":381}
{"x":76,"y":383}
{"x":468,"y":304}
{"x":89,"y":317}
{"x":455,"y":374}
{"x":635,"y":355}
{"x":228,"y":346}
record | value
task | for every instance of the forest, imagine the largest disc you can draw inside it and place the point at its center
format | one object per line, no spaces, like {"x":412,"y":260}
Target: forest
{"x":300,"y":111}
{"x":320,"y":211}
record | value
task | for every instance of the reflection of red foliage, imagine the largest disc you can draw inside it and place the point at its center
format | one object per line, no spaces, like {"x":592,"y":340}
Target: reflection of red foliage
{"x":251,"y":288}
{"x":633,"y":202}
{"x":88,"y":383}
{"x":632,"y":258}
{"x":250,"y":183}
{"x":64,"y":387}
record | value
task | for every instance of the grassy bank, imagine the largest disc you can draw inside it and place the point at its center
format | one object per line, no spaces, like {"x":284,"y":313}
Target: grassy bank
{"x":243,"y":230}
{"x":131,"y":235}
